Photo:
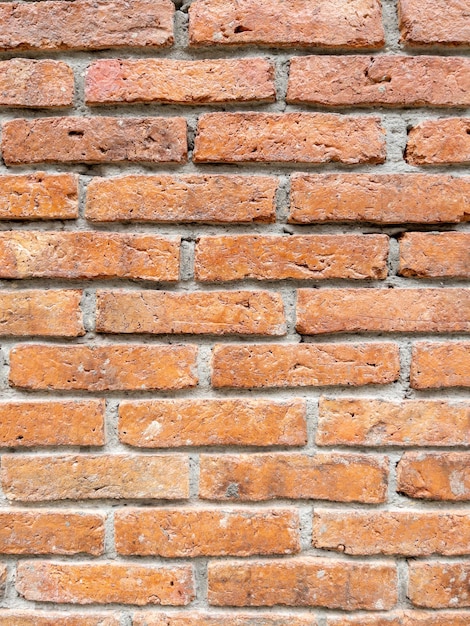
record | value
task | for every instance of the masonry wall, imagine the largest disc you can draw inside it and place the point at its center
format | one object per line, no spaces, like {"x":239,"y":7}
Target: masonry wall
{"x":234,"y":313}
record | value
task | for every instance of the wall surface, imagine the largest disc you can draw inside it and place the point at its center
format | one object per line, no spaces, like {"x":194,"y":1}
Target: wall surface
{"x":234,"y":313}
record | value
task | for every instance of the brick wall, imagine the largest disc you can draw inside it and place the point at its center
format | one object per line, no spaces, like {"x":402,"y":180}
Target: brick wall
{"x":235,"y":307}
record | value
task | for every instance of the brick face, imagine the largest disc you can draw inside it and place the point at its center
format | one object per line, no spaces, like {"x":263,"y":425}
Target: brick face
{"x":439,"y":142}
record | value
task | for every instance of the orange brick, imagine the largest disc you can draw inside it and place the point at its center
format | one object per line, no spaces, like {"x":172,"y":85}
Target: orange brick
{"x":213,"y":313}
{"x":94,"y":140}
{"x":435,"y":476}
{"x":439,"y":142}
{"x":85,"y":477}
{"x":47,"y":532}
{"x":29,"y":83}
{"x":209,"y":198}
{"x":373,"y":423}
{"x":409,"y":533}
{"x":227,"y":619}
{"x":35,"y":312}
{"x":242,"y":422}
{"x":208,"y":81}
{"x":379,"y":198}
{"x":322,"y":311}
{"x":41,"y":618}
{"x":288,"y":138}
{"x":199,"y":532}
{"x":52,"y":423}
{"x":404,"y":618}
{"x":325,"y":23}
{"x":300,"y":257}
{"x":392,"y":81}
{"x":300,"y":365}
{"x":256,"y":477}
{"x":57,"y":254}
{"x":343,"y":585}
{"x":39,"y":196}
{"x":435,"y":255}
{"x":86,"y":24}
{"x":439,"y":22}
{"x":75,"y":583}
{"x":435,"y":365}
{"x":439,"y":585}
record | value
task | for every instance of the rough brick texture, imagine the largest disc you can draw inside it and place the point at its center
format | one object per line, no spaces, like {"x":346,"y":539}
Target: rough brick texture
{"x":439,"y":585}
{"x":435,"y":255}
{"x":436,"y":365}
{"x":438,"y":23}
{"x":435,"y":476}
{"x":439,"y":142}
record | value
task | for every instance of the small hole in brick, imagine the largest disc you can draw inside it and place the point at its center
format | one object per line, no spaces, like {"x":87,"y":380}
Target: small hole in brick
{"x":76,"y":133}
{"x":241,"y":29}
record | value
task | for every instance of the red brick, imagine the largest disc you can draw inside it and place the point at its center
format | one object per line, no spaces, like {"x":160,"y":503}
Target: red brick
{"x":208,"y":81}
{"x":41,"y":618}
{"x":358,"y":422}
{"x":404,"y":618}
{"x":391,"y":81}
{"x":89,"y":255}
{"x":75,"y":583}
{"x":300,"y":365}
{"x":435,"y":365}
{"x":198,"y":532}
{"x":103,"y":368}
{"x":409,"y":533}
{"x":29,"y":83}
{"x":227,"y":619}
{"x":91,"y":477}
{"x":94,"y":140}
{"x":439,"y":142}
{"x":325,"y":23}
{"x":35,"y":312}
{"x":52,"y":423}
{"x":439,"y":585}
{"x":435,"y":476}
{"x":322,"y":311}
{"x":240,"y":422}
{"x":86,"y":24}
{"x":288,"y":138}
{"x":213,"y":313}
{"x":440,"y":22}
{"x":47,"y":532}
{"x":39,"y":196}
{"x":343,"y":585}
{"x":312,"y":257}
{"x":256,"y":477}
{"x":210,"y":198}
{"x":435,"y":255}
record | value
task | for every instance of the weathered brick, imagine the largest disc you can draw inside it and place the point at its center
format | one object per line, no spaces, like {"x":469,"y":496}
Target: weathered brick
{"x":209,"y":81}
{"x":255,"y":477}
{"x":213,"y":313}
{"x":86,"y":24}
{"x":300,"y":365}
{"x":75,"y":583}
{"x":322,"y":311}
{"x":344,"y":585}
{"x":439,"y":142}
{"x":227,"y":619}
{"x":439,"y":585}
{"x":435,"y":476}
{"x":94,"y":140}
{"x":207,"y":198}
{"x":30,"y":83}
{"x":288,"y":138}
{"x":199,"y":532}
{"x":85,"y":477}
{"x":3,"y":579}
{"x":439,"y":22}
{"x":52,"y":423}
{"x":325,"y":23}
{"x":103,"y":368}
{"x":39,"y":196}
{"x":242,"y":422}
{"x":41,"y":618}
{"x":409,"y":533}
{"x":36,"y":312}
{"x":359,"y":422}
{"x":392,"y":81}
{"x":404,"y":618}
{"x":47,"y":532}
{"x":310,"y":257}
{"x":435,"y":365}
{"x":92,"y":255}
{"x":435,"y":255}
{"x":379,"y":198}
